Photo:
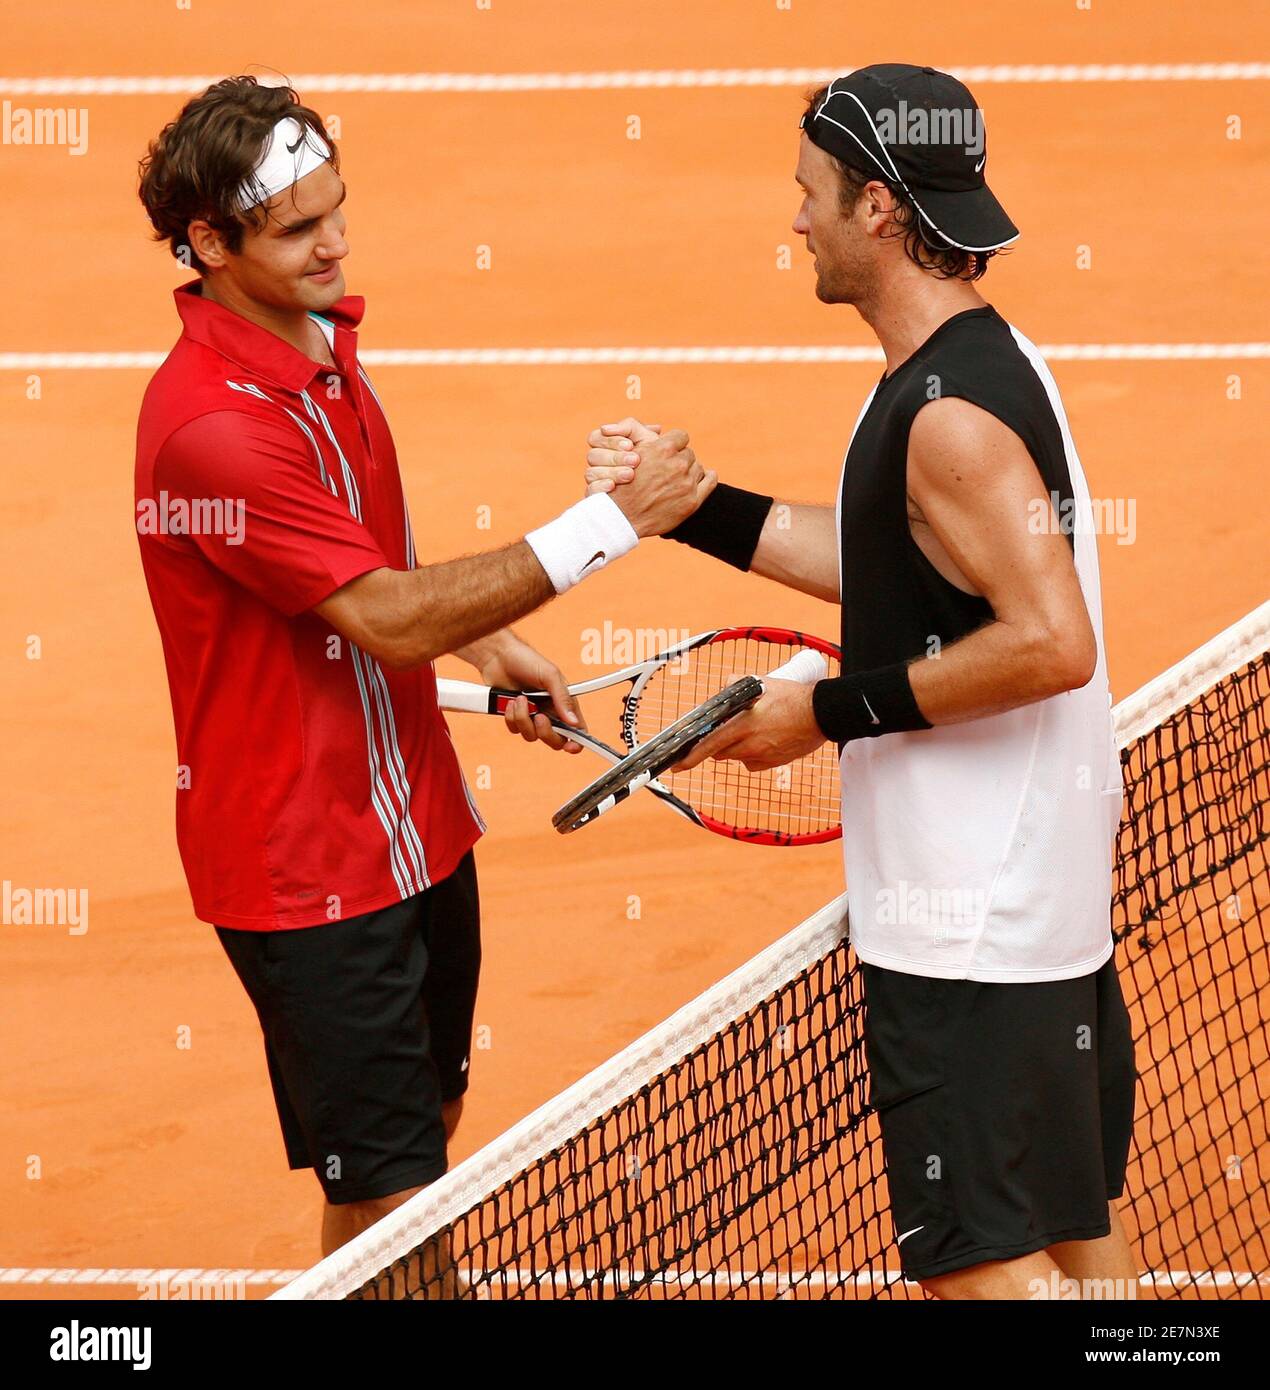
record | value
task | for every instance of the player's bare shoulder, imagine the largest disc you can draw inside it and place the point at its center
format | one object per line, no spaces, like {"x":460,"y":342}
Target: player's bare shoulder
{"x":954,"y":443}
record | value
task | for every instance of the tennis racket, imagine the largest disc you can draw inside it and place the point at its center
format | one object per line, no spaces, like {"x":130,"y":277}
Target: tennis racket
{"x":677,"y":740}
{"x":792,"y":805}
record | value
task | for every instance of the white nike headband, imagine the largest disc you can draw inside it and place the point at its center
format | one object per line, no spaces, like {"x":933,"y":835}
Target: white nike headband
{"x":292,"y":150}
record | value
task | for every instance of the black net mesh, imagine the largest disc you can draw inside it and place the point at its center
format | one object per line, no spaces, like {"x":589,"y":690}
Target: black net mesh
{"x":752,"y":1168}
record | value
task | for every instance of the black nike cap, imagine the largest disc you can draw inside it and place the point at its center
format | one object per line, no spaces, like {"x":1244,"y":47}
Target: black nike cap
{"x":922,"y":130}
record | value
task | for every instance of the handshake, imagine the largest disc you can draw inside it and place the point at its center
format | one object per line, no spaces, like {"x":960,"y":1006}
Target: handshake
{"x":655,"y":478}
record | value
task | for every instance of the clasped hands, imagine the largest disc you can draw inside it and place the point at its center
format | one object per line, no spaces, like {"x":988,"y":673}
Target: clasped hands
{"x":628,"y":456}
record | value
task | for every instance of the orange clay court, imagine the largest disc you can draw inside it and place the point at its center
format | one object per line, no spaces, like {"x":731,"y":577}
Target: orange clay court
{"x":137,"y":1131}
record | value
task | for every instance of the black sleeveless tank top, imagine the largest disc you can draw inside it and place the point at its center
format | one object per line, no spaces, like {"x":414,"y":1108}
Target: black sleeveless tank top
{"x":895,"y":603}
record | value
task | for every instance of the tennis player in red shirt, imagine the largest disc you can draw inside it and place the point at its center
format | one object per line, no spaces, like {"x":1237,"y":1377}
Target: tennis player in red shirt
{"x":323,"y":819}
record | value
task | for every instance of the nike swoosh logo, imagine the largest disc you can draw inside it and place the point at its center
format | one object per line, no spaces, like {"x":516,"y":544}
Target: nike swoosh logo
{"x":981,"y":163}
{"x":291,"y":149}
{"x":872,"y":716}
{"x":599,"y":555}
{"x":463,"y":1067}
{"x":899,"y":1240}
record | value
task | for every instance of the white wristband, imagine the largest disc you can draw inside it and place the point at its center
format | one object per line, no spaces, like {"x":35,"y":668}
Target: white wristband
{"x":581,"y":541}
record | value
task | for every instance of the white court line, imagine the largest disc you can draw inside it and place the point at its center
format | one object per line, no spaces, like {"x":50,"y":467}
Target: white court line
{"x":118,"y":1277}
{"x":607,"y":81}
{"x":688,"y":356}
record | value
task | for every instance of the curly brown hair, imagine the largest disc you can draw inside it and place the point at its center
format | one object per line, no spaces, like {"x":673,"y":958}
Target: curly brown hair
{"x":194,"y":170}
{"x":923,"y":244}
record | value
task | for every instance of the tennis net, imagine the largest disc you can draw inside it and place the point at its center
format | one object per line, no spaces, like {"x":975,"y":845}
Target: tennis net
{"x":731,"y":1153}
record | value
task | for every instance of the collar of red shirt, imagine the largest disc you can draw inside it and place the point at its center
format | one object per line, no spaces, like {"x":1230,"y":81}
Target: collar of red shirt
{"x":256,"y":349}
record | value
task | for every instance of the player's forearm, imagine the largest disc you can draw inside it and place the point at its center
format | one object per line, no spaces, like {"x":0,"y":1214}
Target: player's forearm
{"x":459,"y":604}
{"x":798,"y":547}
{"x":1002,"y":666}
{"x":406,"y":618}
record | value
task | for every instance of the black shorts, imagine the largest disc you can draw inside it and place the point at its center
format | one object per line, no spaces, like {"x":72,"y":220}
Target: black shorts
{"x":368,"y":1028}
{"x":1006,"y":1111}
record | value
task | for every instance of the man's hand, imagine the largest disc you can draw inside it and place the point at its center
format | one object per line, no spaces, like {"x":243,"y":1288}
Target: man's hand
{"x":779,"y":729}
{"x":665,"y":482}
{"x":611,"y":457}
{"x":503,"y":659}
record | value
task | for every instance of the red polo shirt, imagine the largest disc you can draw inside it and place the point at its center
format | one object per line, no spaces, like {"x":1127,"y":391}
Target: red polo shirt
{"x":314,"y":784}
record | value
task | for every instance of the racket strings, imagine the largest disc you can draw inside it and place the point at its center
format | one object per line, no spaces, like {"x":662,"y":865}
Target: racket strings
{"x":799,"y":799}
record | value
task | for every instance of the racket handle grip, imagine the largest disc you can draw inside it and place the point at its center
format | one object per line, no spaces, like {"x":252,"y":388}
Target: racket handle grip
{"x":807,"y":668}
{"x":469,"y":698}
{"x":463,"y":696}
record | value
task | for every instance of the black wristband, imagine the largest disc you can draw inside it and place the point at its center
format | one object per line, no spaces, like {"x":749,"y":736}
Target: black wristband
{"x":867,"y":705}
{"x":726,"y":525}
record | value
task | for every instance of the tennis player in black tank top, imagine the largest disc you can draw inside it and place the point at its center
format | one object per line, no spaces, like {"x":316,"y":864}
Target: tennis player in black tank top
{"x":973,"y":690}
